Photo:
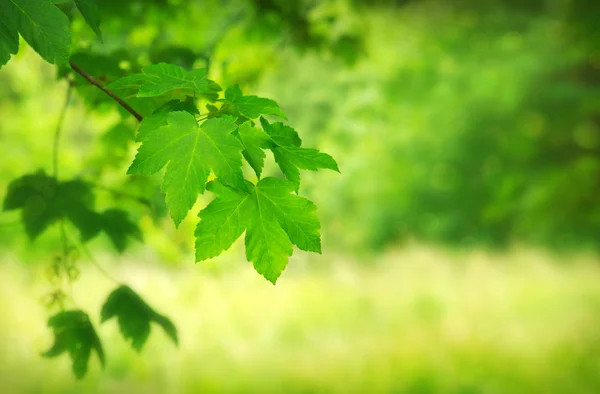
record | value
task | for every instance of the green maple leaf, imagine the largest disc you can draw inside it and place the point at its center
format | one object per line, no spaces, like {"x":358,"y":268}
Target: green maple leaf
{"x":9,"y":35}
{"x":191,"y":152}
{"x":254,"y":142}
{"x":43,"y":201}
{"x":295,"y":214}
{"x":291,"y":172}
{"x":290,"y":156}
{"x":251,"y":106}
{"x":75,"y":334}
{"x":280,"y":134}
{"x":158,"y":118}
{"x":162,"y":78}
{"x":222,"y":221}
{"x":40,"y":23}
{"x":90,"y":12}
{"x":75,"y":201}
{"x":213,"y":111}
{"x":134,"y":316}
{"x":274,"y":220}
{"x":117,"y":226}
{"x":35,"y":195}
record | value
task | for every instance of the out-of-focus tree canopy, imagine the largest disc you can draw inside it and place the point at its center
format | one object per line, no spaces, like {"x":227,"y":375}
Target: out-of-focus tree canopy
{"x":469,"y":121}
{"x":476,"y":122}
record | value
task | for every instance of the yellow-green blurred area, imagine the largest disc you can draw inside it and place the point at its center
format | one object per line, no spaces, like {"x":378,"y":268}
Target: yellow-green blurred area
{"x":418,"y":321}
{"x":460,"y":241}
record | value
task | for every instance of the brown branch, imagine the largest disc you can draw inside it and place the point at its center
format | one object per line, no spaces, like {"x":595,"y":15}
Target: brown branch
{"x":96,"y":83}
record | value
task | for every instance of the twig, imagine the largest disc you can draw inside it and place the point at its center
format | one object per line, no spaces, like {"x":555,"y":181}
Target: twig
{"x":88,"y":254}
{"x":96,"y":83}
{"x":118,"y":193}
{"x":55,"y":156}
{"x":59,"y":123}
{"x":65,"y":256}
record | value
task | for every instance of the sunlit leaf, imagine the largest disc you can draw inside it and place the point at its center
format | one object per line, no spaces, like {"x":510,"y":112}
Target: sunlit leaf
{"x":254,"y":141}
{"x":252,"y":106}
{"x":274,"y":219}
{"x":290,"y":156}
{"x":191,"y":152}
{"x":162,"y":78}
{"x":40,"y":23}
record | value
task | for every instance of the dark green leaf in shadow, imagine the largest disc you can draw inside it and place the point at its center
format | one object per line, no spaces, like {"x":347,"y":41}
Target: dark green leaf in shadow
{"x":75,"y":334}
{"x":118,"y":227}
{"x":9,"y":35}
{"x":91,"y":14}
{"x":134,"y":316}
{"x":41,"y":24}
{"x":43,"y":201}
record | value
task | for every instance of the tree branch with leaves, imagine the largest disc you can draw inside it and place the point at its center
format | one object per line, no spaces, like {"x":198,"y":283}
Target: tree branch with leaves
{"x":200,"y":152}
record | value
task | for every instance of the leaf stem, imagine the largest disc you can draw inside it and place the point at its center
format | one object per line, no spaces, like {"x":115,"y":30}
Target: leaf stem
{"x":57,"y":132}
{"x":118,"y":193}
{"x":55,"y":157}
{"x":97,"y":83}
{"x":64,"y":257}
{"x":91,"y":258}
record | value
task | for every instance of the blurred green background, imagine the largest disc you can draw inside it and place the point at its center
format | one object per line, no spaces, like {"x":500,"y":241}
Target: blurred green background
{"x":460,"y":240}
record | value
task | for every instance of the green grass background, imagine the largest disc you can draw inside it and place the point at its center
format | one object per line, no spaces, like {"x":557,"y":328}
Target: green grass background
{"x":416,"y":320}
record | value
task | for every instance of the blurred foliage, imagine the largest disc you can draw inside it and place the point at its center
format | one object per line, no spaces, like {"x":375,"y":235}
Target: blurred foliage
{"x":43,"y":201}
{"x":75,"y":334}
{"x":467,"y":123}
{"x":134,"y":316}
{"x":163,"y":93}
{"x":464,"y":122}
{"x":226,"y":35}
